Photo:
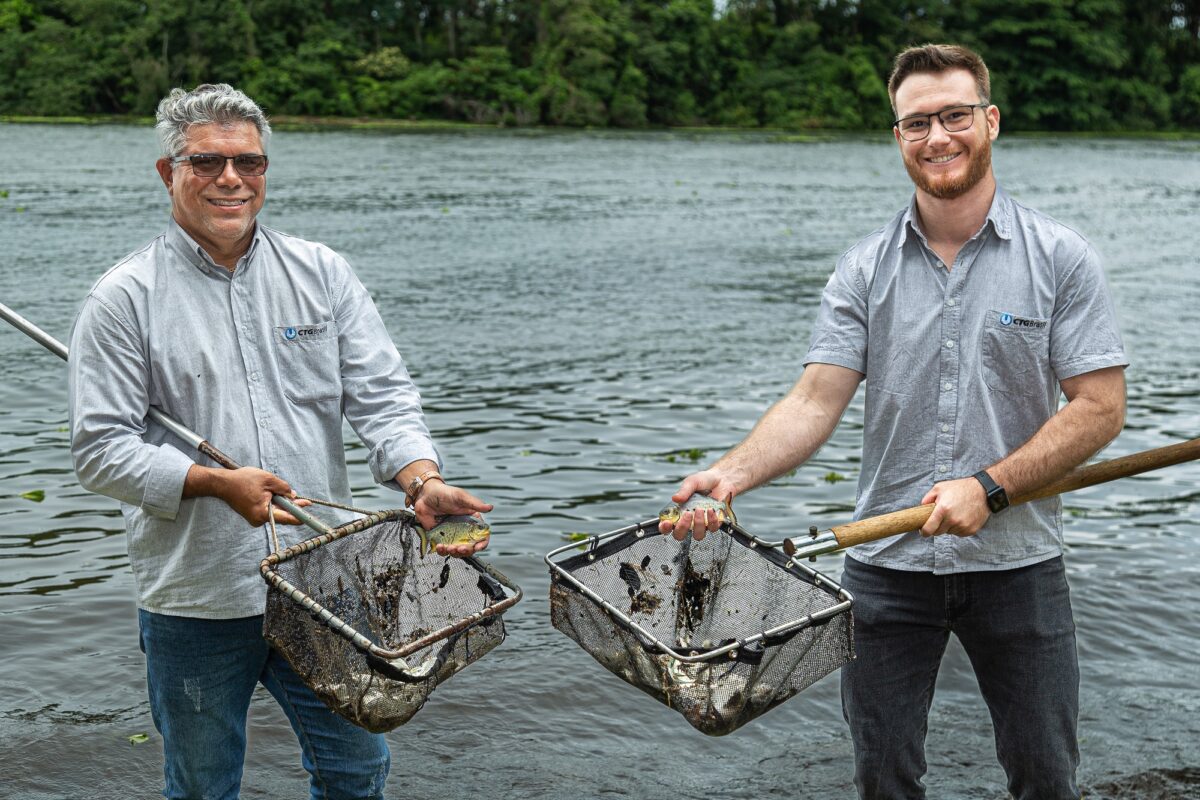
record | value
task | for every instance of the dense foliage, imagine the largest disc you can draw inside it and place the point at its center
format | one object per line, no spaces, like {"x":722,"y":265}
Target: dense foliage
{"x":1056,"y":64}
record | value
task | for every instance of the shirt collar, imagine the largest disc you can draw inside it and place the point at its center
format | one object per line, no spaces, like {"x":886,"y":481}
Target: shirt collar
{"x":999,"y":215}
{"x":186,"y":246}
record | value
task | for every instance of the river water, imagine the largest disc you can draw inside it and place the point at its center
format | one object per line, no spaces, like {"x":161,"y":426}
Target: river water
{"x":590,"y":317}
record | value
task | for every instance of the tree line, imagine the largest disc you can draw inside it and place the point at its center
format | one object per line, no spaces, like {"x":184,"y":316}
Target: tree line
{"x":1063,"y":65}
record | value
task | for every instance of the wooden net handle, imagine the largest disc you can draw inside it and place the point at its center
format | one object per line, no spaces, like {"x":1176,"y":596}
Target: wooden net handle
{"x":910,"y":519}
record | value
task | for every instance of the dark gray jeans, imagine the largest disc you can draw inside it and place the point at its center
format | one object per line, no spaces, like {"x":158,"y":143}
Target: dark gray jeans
{"x":1017,"y":629}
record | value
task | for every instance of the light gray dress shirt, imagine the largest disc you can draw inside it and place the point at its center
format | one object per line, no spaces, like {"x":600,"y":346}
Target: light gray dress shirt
{"x":263,"y":362}
{"x":962,"y":367}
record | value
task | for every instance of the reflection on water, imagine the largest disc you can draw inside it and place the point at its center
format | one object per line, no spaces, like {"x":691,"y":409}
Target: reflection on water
{"x":590,"y":317}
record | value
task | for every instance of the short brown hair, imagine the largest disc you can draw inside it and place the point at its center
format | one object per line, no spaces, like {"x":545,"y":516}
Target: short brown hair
{"x":939,"y":58}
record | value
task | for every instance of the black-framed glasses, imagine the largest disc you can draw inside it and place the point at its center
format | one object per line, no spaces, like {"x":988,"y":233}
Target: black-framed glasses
{"x":953,"y":119}
{"x":210,"y":165}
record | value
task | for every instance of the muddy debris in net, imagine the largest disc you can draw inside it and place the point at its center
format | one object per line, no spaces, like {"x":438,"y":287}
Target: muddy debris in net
{"x":644,"y":602}
{"x":693,"y":593}
{"x":629,"y":574}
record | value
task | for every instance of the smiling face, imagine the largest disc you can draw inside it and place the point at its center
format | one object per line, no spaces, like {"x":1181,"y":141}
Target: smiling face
{"x":946,"y":165}
{"x":217,"y":212}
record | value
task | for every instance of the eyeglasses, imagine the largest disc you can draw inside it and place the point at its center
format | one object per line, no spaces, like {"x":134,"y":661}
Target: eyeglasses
{"x":953,"y":119}
{"x":210,"y":165}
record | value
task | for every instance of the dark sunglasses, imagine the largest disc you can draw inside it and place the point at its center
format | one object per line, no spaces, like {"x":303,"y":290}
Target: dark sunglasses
{"x":210,"y":165}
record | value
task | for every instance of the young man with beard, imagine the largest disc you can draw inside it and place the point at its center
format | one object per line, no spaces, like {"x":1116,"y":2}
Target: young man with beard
{"x":967,"y":314}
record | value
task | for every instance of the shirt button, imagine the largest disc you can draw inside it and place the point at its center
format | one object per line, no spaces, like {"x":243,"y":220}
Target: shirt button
{"x":950,"y":302}
{"x":947,"y":386}
{"x":943,"y":468}
{"x":949,"y":343}
{"x":945,"y":428}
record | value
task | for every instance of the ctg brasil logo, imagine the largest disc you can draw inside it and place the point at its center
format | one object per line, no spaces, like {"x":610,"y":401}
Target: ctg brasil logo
{"x":1005,"y":319}
{"x":1008,"y":319}
{"x":290,"y":333}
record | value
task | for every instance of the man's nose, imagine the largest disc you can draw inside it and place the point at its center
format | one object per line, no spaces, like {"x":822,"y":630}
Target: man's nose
{"x":937,"y":131}
{"x":229,"y":176}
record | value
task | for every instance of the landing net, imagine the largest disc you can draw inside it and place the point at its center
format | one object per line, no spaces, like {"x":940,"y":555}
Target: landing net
{"x":721,"y":630}
{"x":371,"y":626}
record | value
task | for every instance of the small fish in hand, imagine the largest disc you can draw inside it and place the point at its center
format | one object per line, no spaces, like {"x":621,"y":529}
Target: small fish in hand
{"x":452,"y":530}
{"x":697,"y":502}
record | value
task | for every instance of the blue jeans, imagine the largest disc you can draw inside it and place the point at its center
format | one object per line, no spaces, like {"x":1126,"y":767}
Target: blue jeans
{"x":201,"y":674}
{"x":1016,"y":628}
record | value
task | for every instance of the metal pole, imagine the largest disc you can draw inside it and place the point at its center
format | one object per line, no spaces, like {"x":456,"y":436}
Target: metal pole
{"x":186,"y":434}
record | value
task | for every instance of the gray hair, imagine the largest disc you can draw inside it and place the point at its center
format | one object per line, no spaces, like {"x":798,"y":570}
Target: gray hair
{"x":206,"y":104}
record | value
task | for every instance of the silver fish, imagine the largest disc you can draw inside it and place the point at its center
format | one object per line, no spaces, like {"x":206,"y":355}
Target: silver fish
{"x":697,"y":502}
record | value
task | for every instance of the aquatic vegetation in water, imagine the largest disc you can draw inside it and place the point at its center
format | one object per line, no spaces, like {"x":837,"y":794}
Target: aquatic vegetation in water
{"x":138,"y":738}
{"x":691,"y":454}
{"x":36,"y":495}
{"x":833,"y":477}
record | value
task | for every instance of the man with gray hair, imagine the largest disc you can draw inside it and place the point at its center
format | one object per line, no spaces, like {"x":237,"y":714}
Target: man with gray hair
{"x":262,"y":341}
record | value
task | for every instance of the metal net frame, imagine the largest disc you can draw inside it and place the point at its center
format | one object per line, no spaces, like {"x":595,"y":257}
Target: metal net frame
{"x":721,"y":630}
{"x":372,"y":626}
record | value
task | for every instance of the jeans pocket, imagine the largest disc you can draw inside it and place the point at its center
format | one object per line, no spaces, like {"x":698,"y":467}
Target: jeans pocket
{"x":309,"y":362}
{"x":1016,"y":354}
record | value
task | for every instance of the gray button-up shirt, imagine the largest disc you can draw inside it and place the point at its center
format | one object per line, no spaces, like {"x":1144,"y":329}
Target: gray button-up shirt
{"x":263,"y":362}
{"x":962,"y":367}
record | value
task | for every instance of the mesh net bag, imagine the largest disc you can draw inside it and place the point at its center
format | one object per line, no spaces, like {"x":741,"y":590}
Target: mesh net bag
{"x":371,"y":626}
{"x":721,"y":630}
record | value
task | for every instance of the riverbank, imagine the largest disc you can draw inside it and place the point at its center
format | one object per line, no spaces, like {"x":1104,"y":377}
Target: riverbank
{"x":381,"y":125}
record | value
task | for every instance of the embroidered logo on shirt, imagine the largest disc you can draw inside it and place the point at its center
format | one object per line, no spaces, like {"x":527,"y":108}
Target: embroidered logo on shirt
{"x":1009,"y":319}
{"x":312,"y":330}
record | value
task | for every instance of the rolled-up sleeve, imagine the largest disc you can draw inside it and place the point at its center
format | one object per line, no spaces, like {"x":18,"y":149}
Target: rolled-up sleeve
{"x":109,"y":398}
{"x":380,"y":399}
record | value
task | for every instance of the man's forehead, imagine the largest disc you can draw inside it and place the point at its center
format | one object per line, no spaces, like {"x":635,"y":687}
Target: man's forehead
{"x":214,"y":132}
{"x":926,"y":92}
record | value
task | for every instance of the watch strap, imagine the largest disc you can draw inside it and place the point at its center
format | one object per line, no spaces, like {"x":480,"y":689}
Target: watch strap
{"x":997,"y":498}
{"x":413,"y":491}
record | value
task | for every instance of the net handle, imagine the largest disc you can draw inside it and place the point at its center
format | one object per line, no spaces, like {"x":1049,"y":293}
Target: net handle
{"x":910,"y":519}
{"x":158,"y":415}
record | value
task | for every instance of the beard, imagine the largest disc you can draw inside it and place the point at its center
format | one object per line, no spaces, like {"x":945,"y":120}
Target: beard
{"x":948,"y":187}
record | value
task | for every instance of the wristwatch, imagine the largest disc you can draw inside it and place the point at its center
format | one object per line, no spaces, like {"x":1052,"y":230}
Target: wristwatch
{"x":413,"y":490}
{"x":997,"y":498}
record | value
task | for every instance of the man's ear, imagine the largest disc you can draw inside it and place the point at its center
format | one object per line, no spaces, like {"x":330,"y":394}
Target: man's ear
{"x":163,"y":166}
{"x":993,"y":118}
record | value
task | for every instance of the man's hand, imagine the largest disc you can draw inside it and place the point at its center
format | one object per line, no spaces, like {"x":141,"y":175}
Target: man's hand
{"x":961,"y":508}
{"x":437,"y":500}
{"x":698,"y":524}
{"x":247,"y":491}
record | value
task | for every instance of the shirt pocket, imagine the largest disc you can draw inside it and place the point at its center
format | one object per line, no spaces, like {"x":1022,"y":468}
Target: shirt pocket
{"x":309,"y":361}
{"x":1016,"y":353}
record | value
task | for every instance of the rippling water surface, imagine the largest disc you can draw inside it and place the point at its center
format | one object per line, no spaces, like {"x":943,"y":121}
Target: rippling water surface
{"x":580,"y":311}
